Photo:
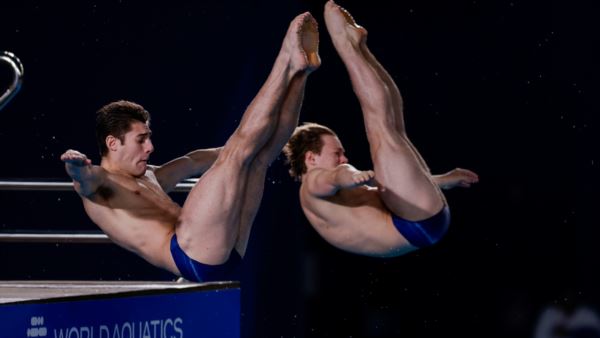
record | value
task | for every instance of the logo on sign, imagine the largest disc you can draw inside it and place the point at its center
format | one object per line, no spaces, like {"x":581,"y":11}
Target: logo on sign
{"x":37,"y":328}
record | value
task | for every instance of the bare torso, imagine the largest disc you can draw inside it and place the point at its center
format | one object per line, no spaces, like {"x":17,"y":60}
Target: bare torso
{"x":355,"y":220}
{"x":136,"y":214}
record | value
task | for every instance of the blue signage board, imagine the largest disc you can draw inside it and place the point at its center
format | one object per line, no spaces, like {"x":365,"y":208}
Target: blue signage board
{"x":163,"y":314}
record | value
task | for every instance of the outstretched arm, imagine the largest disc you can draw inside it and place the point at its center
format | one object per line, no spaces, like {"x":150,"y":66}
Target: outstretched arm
{"x":327,"y":182}
{"x":456,"y":178}
{"x":87,"y":178}
{"x":192,"y":164}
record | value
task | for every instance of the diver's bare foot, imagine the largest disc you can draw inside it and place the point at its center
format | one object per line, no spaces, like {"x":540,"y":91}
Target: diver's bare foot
{"x":342,"y":27}
{"x":302,"y":43}
{"x":310,"y":42}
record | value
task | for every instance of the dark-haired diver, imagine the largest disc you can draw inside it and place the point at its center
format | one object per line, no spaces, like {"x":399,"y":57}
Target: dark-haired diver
{"x":205,"y":239}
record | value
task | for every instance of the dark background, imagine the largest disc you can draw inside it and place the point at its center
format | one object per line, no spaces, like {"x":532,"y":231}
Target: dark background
{"x":504,"y":88}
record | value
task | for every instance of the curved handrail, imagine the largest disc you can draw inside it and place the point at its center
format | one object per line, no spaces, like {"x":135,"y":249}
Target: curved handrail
{"x":18,"y":70}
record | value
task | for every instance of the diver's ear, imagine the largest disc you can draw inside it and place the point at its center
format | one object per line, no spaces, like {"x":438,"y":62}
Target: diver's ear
{"x":112,"y":142}
{"x":310,"y":158}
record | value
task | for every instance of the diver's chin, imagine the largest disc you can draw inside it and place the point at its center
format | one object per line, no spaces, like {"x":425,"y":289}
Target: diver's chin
{"x":141,"y":169}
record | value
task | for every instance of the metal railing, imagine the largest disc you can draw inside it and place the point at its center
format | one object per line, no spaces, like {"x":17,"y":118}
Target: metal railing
{"x":62,"y":237}
{"x":66,"y":186}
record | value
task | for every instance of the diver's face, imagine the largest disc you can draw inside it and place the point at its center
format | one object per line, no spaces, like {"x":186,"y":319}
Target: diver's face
{"x":332,"y":153}
{"x":135,"y":150}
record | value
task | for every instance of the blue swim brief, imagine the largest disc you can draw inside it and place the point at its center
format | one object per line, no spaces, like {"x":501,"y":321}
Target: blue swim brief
{"x":195,"y":271}
{"x":426,"y":232}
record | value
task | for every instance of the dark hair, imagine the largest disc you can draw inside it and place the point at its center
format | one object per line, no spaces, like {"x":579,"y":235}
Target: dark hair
{"x":115,"y":119}
{"x":304,"y":139}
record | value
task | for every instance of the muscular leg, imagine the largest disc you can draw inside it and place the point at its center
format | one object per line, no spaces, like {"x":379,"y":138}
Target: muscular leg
{"x":256,"y":179}
{"x":397,"y":102}
{"x":406,"y":185}
{"x":288,"y":120}
{"x":210,"y":220}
